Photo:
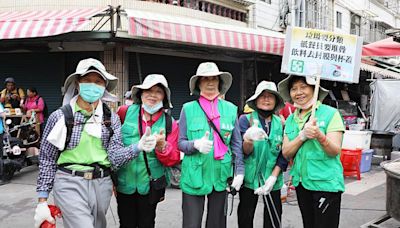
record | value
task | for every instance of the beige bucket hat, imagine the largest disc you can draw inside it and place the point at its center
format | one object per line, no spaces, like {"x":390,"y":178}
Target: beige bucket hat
{"x":150,"y":81}
{"x":84,"y":67}
{"x":270,"y":87}
{"x":89,"y":65}
{"x":210,"y":69}
{"x":284,"y":89}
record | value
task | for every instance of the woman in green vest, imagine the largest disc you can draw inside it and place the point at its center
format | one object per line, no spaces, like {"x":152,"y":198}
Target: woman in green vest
{"x":264,"y":163}
{"x":147,"y":116}
{"x":211,"y":140}
{"x":315,"y":146}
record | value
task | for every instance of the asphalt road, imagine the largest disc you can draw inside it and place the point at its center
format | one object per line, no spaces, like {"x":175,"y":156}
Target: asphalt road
{"x":363,"y":201}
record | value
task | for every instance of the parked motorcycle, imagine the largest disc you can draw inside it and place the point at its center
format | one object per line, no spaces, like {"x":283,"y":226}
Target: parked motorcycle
{"x":15,"y":154}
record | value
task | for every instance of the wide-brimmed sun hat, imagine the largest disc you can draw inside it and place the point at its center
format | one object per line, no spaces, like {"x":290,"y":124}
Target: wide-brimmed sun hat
{"x":270,"y":87}
{"x":284,"y":89}
{"x":89,"y":65}
{"x":150,"y":81}
{"x":83,"y":68}
{"x":210,"y":69}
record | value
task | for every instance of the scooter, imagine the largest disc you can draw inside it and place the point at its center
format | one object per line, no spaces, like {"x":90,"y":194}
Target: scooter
{"x":14,"y":155}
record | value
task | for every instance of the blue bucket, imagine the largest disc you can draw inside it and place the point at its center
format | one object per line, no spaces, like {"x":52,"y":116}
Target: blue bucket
{"x":366,"y":158}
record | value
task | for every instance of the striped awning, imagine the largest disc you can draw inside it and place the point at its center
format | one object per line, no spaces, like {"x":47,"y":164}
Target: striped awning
{"x":181,"y":29}
{"x":380,"y":71}
{"x":29,"y":24}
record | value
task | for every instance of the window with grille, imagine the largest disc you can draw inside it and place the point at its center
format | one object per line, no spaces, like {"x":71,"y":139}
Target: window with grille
{"x":355,"y":24}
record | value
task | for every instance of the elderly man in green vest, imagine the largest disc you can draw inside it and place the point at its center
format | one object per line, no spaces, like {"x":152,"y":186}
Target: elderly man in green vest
{"x":211,"y":140}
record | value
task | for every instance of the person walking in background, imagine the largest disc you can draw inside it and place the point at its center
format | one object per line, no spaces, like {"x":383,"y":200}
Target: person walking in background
{"x":211,"y":140}
{"x":80,"y":147}
{"x":315,"y":145}
{"x":262,"y":142}
{"x":142,"y":182}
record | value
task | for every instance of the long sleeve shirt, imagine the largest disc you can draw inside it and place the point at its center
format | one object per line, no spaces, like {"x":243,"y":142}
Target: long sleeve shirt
{"x":244,"y":124}
{"x":118,"y":155}
{"x":187,"y":146}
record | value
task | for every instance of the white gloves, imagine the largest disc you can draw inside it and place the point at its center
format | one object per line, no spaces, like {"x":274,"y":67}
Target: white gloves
{"x":147,"y":142}
{"x":255,"y":133}
{"x":267,"y":187}
{"x":42,"y":213}
{"x":237,"y":181}
{"x":203,"y":145}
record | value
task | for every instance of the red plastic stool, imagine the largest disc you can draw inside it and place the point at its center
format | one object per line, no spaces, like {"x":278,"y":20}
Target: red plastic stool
{"x":351,"y":162}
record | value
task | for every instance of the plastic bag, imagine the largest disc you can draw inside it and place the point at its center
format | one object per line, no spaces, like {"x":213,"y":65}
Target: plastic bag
{"x":55,"y":212}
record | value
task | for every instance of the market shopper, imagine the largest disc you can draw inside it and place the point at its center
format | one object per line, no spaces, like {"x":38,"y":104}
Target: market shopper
{"x":34,"y":103}
{"x":80,"y":148}
{"x":136,"y":198}
{"x":211,"y":140}
{"x":315,"y":145}
{"x":262,"y":142}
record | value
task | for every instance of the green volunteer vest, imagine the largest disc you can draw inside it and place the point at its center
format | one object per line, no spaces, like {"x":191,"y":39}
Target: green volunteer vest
{"x":133,"y":176}
{"x":201,"y":173}
{"x":260,"y":163}
{"x":316,"y":170}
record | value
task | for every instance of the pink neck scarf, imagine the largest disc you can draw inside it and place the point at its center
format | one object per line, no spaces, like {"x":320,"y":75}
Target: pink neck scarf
{"x":211,"y":109}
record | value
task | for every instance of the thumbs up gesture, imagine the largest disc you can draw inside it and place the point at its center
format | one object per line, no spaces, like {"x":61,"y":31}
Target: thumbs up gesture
{"x":311,"y":130}
{"x":204,"y":145}
{"x":160,"y":140}
{"x":147,"y":142}
{"x":255,"y":133}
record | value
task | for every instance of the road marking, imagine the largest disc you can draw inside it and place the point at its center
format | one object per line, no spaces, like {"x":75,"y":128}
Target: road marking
{"x":367,"y":182}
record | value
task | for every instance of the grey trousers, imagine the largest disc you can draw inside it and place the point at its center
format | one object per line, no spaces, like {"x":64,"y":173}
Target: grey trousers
{"x":83,"y":203}
{"x":193,"y":208}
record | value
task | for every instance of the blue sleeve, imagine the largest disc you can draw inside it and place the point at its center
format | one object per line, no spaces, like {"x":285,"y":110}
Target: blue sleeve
{"x":282,"y":162}
{"x":244,"y":124}
{"x":236,"y":146}
{"x":184,"y":144}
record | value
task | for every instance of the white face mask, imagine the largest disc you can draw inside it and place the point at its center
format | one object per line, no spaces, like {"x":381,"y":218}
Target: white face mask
{"x":152,"y":109}
{"x":128,"y":102}
{"x":305,"y":106}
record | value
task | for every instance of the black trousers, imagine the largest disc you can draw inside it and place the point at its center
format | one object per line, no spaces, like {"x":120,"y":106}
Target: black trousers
{"x":247,"y":207}
{"x":135,"y":211}
{"x":319,"y":209}
{"x":193,"y":208}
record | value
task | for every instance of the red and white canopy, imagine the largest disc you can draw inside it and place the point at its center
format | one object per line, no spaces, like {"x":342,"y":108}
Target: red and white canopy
{"x":165,"y":27}
{"x":385,"y":47}
{"x":29,"y":24}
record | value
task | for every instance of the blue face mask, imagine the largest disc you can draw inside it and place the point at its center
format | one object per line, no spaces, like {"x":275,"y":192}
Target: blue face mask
{"x":152,"y":109}
{"x":91,"y":92}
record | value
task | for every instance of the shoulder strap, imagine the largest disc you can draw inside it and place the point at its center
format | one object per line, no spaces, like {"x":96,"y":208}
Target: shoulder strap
{"x":122,"y":112}
{"x":107,"y":119}
{"x":144,"y":152}
{"x":37,"y":100}
{"x":212,"y":125}
{"x":168,"y":123}
{"x":69,"y":122}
